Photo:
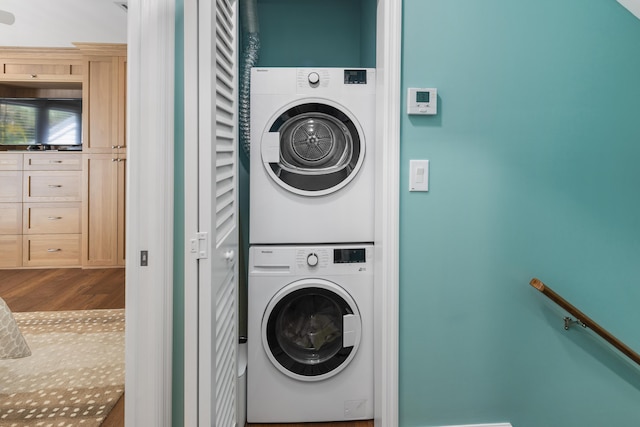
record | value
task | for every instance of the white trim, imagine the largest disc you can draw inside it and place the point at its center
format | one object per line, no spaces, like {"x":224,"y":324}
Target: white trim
{"x":632,"y":6}
{"x":388,"y":42}
{"x":150,"y":157}
{"x":483,"y":425}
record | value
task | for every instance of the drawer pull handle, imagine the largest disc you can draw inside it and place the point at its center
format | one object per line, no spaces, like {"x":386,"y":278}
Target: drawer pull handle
{"x":54,"y":250}
{"x":114,"y":160}
{"x":33,"y":76}
{"x":54,"y":218}
{"x":55,"y":186}
{"x":55,"y":161}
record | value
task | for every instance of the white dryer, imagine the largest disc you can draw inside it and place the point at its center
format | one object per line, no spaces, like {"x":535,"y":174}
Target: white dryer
{"x":312,"y":162}
{"x":310,"y":334}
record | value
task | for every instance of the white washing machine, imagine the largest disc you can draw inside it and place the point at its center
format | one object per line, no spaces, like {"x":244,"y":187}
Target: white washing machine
{"x":310,"y":334}
{"x":312,"y":162}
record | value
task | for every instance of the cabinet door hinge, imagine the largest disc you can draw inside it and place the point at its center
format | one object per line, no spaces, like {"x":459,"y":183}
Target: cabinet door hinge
{"x":200,"y":245}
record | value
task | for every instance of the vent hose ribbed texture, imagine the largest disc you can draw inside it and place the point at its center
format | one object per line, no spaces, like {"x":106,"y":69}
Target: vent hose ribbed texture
{"x":249,"y":59}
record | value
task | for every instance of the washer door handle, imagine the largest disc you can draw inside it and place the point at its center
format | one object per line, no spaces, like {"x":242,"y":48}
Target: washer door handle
{"x":350,"y":330}
{"x":271,"y":147}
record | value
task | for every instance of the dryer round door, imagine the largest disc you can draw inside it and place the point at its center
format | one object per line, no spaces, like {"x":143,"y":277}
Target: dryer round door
{"x":311,"y":329}
{"x":313,"y":148}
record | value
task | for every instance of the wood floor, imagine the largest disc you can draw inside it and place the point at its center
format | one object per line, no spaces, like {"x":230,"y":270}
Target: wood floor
{"x":66,"y":289}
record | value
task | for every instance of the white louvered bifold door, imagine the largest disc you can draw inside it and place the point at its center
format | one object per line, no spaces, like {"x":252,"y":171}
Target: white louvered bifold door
{"x":217,"y":317}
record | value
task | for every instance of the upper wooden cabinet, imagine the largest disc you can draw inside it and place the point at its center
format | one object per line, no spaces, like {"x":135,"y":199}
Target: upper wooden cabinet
{"x":104,"y":94}
{"x":41,"y":65}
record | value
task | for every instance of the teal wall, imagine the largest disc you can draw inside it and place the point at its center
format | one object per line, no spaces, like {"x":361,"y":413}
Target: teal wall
{"x":534,"y":173}
{"x":178,"y":229}
{"x":305,"y":33}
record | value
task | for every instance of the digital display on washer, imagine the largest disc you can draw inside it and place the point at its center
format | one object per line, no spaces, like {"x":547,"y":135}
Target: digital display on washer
{"x":355,"y":77}
{"x":345,"y":256}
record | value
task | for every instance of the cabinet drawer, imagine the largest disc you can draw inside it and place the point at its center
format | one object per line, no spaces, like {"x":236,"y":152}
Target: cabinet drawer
{"x":10,"y":162}
{"x":59,"y":218}
{"x":10,"y":251}
{"x":38,"y":70}
{"x":10,"y":186}
{"x":51,"y":250}
{"x":61,"y":162}
{"x":51,"y":186}
{"x":10,"y":218}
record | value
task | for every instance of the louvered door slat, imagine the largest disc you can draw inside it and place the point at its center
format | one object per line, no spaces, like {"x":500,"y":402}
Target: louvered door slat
{"x":225,"y":210}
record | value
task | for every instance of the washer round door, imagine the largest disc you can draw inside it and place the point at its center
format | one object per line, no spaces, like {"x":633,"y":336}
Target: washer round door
{"x":311,"y":329}
{"x":313,"y":148}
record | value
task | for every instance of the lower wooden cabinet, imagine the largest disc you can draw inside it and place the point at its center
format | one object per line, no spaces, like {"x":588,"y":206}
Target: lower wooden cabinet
{"x":10,"y":186}
{"x":10,"y":251}
{"x":10,"y":218}
{"x":103,"y":210}
{"x":40,"y":209}
{"x":51,"y":250}
{"x":50,"y":218}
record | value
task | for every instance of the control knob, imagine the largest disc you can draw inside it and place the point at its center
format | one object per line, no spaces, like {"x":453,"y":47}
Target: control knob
{"x":314,"y":78}
{"x":312,"y":260}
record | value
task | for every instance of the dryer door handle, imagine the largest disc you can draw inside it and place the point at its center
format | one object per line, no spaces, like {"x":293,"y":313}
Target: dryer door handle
{"x":350,"y":330}
{"x":271,"y":147}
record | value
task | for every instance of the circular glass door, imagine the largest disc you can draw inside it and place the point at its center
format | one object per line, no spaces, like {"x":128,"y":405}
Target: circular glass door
{"x":320,"y":148}
{"x":311,"y":330}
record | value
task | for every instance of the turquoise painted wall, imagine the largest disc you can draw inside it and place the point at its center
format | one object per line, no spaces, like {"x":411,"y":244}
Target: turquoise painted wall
{"x":177,"y":412}
{"x":304,"y":33}
{"x":533,"y":174}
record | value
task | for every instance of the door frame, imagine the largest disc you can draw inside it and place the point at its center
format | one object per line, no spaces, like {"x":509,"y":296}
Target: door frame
{"x":386,"y":296}
{"x":149,"y":212}
{"x":149,"y":289}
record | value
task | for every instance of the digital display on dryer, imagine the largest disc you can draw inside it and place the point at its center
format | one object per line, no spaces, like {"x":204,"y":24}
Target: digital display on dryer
{"x":355,"y":77}
{"x":348,"y":256}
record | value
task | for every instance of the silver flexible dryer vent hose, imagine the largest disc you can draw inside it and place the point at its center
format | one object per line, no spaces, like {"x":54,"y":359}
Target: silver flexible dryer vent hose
{"x":249,"y":59}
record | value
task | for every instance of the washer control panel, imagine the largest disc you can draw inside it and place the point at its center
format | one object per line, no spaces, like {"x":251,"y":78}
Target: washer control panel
{"x":321,"y":258}
{"x":355,"y":77}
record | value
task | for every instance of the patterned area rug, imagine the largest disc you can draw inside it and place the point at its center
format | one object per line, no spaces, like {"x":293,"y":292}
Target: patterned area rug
{"x":75,"y":374}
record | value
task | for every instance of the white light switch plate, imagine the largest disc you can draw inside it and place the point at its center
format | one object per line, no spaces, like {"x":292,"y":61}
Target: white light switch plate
{"x":419,"y":175}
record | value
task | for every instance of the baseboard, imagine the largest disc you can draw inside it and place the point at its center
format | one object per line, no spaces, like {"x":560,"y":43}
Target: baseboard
{"x":483,"y":425}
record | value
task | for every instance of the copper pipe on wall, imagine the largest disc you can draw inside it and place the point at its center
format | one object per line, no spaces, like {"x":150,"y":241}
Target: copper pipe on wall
{"x":585,"y":320}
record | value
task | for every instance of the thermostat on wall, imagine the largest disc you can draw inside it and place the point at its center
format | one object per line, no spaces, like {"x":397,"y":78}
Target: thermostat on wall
{"x":421,"y":100}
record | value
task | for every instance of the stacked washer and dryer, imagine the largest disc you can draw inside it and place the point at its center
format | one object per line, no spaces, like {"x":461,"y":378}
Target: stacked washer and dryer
{"x":310,"y":298}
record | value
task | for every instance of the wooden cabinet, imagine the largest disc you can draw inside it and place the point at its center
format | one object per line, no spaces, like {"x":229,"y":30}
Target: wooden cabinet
{"x":51,"y":209}
{"x":40,"y":226}
{"x":104,"y":92}
{"x":10,"y":186}
{"x":52,"y":218}
{"x":103,"y":210}
{"x":62,"y":208}
{"x":10,"y":210}
{"x":104,"y":155}
{"x":52,"y":186}
{"x":51,"y":250}
{"x":40,"y":65}
{"x":10,"y":251}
